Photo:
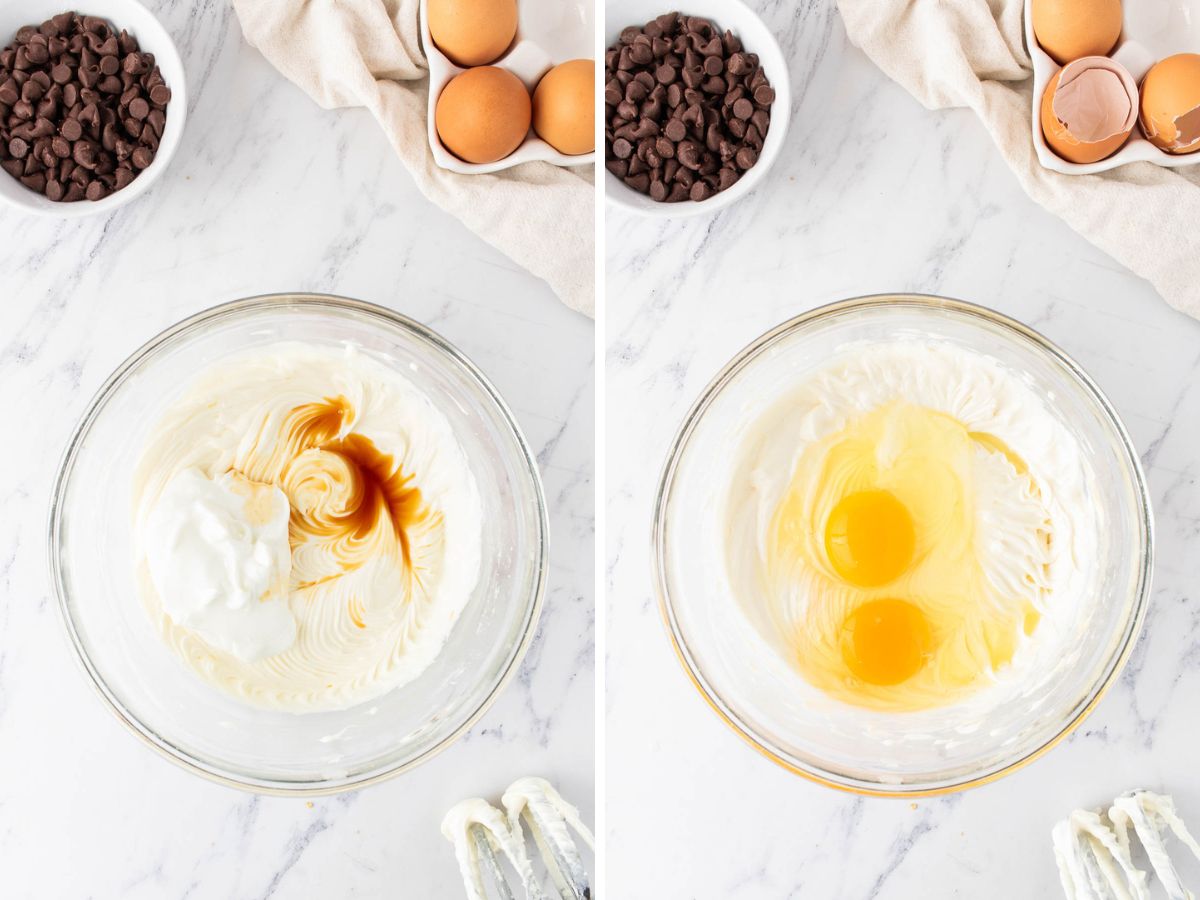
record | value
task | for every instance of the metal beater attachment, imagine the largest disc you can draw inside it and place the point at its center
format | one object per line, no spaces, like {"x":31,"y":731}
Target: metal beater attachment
{"x":1095,"y":858}
{"x":482,"y":834}
{"x":479,"y":831}
{"x":535,"y":803}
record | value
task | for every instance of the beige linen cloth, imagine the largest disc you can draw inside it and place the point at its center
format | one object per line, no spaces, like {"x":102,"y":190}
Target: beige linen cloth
{"x":366,"y":53}
{"x":971,"y":53}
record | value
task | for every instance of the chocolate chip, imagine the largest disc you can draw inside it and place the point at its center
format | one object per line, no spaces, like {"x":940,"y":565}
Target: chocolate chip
{"x":675,"y":130}
{"x":641,"y":54}
{"x":761,"y":121}
{"x":84,"y":154}
{"x":640,"y":183}
{"x":686,"y":108}
{"x":82,"y":109}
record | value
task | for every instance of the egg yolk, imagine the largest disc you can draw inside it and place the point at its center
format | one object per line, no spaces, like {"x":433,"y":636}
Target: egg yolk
{"x":870,"y":538}
{"x":886,"y":641}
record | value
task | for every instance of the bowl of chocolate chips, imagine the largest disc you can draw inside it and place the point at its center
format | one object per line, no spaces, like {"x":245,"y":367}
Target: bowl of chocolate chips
{"x":92,"y":105}
{"x":696,"y":104}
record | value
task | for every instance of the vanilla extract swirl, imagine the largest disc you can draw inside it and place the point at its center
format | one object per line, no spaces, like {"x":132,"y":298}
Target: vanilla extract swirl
{"x":384,"y":527}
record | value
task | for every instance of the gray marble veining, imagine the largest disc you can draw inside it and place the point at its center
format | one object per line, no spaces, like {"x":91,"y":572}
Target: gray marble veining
{"x":873,"y":194}
{"x":267,"y":193}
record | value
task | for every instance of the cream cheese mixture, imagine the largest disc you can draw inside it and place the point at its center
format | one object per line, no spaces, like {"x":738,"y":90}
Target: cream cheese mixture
{"x":899,"y":524}
{"x":309,"y":528}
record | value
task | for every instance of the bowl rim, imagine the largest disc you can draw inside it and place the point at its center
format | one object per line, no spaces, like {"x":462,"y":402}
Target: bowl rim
{"x":159,"y":743}
{"x":781,"y":112}
{"x":177,"y":122}
{"x":678,"y":447}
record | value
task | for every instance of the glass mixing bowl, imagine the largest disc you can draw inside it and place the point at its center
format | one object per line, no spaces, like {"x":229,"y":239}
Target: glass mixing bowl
{"x":139,"y":677}
{"x":753,"y":688}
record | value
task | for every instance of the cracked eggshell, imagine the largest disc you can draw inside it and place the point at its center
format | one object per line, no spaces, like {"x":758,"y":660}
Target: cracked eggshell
{"x":1071,"y":29}
{"x":1088,"y":109}
{"x":1170,"y":105}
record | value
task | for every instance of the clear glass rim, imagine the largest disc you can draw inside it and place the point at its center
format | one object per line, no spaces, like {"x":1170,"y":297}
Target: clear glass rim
{"x":678,"y":449}
{"x":234,"y":309}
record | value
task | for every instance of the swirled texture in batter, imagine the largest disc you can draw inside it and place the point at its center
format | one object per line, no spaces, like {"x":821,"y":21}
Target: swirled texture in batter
{"x":384,"y":527}
{"x":886,"y":534}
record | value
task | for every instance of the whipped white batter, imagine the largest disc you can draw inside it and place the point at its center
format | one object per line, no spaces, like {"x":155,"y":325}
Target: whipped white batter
{"x":1030,"y":541}
{"x":384,"y":527}
{"x":480,"y":831}
{"x":218,"y":554}
{"x":1095,"y":854}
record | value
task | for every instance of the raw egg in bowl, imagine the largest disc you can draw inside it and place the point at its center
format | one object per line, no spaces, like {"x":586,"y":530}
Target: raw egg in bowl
{"x":902,"y":544}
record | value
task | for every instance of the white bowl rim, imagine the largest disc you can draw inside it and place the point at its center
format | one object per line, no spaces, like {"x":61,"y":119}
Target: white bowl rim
{"x":172,"y":137}
{"x":281,"y":787}
{"x":679,"y":444}
{"x":781,"y":111}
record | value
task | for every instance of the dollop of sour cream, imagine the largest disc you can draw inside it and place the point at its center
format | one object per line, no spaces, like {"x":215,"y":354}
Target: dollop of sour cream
{"x":310,"y":527}
{"x":217,"y":550}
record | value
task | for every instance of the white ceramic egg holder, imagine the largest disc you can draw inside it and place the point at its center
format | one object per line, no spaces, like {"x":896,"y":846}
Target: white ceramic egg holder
{"x":1150,"y":30}
{"x":566,"y":27}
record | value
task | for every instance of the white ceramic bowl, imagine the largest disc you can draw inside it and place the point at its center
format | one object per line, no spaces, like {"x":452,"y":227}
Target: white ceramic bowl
{"x":153,"y":38}
{"x":1151,"y":30}
{"x":140,"y":678}
{"x":754,"y":689}
{"x":756,"y":38}
{"x":549,"y":32}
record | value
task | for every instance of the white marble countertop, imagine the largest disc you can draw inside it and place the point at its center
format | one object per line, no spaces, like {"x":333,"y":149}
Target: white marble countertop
{"x":873,"y":194}
{"x":268,"y":193}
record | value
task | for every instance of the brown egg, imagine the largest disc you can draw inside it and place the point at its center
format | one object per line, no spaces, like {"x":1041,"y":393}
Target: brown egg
{"x":483,"y":114}
{"x":1088,"y":109}
{"x":564,"y":107}
{"x":472,"y":32}
{"x":1070,"y":29}
{"x":1170,"y":116}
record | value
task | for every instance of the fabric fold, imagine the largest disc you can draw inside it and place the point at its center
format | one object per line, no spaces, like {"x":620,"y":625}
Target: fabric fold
{"x":971,"y":53}
{"x":368,"y":54}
